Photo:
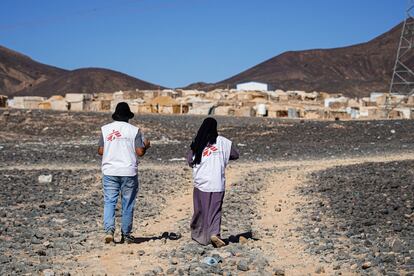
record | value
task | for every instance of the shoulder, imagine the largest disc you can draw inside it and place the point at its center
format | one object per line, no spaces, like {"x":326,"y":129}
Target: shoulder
{"x":132,"y":127}
{"x":107,"y":125}
{"x":223,"y":139}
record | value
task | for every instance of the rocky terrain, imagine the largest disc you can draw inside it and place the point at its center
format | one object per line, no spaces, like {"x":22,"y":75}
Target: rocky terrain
{"x":305,"y":197}
{"x":363,"y":216}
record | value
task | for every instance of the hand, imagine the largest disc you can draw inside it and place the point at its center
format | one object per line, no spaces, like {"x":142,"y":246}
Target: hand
{"x":147,"y":144}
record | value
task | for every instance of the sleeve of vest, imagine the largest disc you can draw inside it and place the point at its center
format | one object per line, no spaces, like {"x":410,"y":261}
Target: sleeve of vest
{"x":101,"y":141}
{"x":227,"y":150}
{"x":139,"y":140}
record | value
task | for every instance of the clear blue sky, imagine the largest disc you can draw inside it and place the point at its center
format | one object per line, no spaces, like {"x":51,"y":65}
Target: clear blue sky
{"x":177,"y":42}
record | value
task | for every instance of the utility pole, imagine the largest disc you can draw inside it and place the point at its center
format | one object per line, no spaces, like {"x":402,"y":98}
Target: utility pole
{"x":402,"y":81}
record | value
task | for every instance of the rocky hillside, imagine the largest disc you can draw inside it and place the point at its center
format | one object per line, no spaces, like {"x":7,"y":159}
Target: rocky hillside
{"x":354,"y":70}
{"x":87,"y":80}
{"x":21,"y":75}
{"x":19,"y":72}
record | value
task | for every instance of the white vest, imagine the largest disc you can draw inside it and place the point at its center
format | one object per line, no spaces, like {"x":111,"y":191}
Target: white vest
{"x":209,"y":175}
{"x":119,"y":157}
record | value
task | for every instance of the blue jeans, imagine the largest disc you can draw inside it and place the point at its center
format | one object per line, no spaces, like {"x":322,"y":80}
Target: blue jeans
{"x":112,"y":186}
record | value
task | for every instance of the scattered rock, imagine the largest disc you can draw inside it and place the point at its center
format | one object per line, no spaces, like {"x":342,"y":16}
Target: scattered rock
{"x":243,"y":240}
{"x":278,"y":272}
{"x":242,"y":265}
{"x":45,"y":179}
{"x":319,"y":270}
{"x":366,"y":265}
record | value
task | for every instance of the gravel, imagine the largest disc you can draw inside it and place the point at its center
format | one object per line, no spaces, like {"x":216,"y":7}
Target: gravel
{"x":364,"y":216}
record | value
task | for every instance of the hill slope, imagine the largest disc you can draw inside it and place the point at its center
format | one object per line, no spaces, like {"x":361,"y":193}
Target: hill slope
{"x":18,"y":71}
{"x":20,"y":75}
{"x":354,"y":70}
{"x":87,"y":80}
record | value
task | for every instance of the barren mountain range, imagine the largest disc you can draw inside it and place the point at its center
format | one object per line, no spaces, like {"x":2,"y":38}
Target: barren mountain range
{"x":355,"y":70}
{"x":20,"y":75}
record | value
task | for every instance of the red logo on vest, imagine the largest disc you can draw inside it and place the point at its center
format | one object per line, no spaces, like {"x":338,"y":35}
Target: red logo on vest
{"x":113,"y":135}
{"x":208,"y":150}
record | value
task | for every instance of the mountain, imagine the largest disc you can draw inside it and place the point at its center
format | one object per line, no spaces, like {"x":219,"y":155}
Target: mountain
{"x":18,"y":71}
{"x":22,"y":76}
{"x":354,"y":70}
{"x":88,"y":80}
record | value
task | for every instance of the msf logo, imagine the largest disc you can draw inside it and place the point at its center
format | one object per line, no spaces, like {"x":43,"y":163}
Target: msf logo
{"x":209,"y":150}
{"x":113,"y":135}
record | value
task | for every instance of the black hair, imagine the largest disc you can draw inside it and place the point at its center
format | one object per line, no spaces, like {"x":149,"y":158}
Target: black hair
{"x":207,"y":134}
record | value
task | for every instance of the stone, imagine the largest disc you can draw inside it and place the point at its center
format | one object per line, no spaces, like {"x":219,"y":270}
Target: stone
{"x":397,"y":245}
{"x":243,"y":240}
{"x":319,"y":269}
{"x":278,"y":272}
{"x":45,"y":178}
{"x":278,"y":209}
{"x":140,"y":252}
{"x":336,"y":266}
{"x":48,"y":272}
{"x":242,"y":265}
{"x":366,"y":265}
{"x":170,"y":270}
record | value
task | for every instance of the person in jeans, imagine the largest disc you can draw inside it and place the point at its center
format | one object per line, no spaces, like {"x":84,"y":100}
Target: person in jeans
{"x":120,"y":144}
{"x":209,"y":155}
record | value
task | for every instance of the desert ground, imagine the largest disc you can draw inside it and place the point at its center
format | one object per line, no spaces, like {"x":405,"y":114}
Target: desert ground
{"x":305,"y":198}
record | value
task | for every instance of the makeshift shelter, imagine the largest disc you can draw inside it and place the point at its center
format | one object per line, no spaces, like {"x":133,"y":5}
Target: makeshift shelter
{"x":401,"y":113}
{"x":58,"y":102}
{"x":3,"y":101}
{"x":340,"y":114}
{"x":245,"y":111}
{"x":223,"y":110}
{"x":378,"y":97}
{"x":167,"y":105}
{"x":203,"y":109}
{"x":336,"y":103}
{"x":252,"y":86}
{"x":281,"y":95}
{"x":45,"y":105}
{"x":99,"y":105}
{"x":78,"y":102}
{"x":369,"y":112}
{"x":27,"y":102}
{"x":193,"y":93}
{"x":277,"y":111}
{"x":314,"y":113}
{"x":217,"y":94}
{"x":168,"y":92}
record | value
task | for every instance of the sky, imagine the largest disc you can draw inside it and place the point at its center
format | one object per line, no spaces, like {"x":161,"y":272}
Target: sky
{"x":177,"y":42}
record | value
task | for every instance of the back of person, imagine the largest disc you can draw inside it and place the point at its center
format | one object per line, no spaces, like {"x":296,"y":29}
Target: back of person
{"x":209,"y":175}
{"x":119,"y":158}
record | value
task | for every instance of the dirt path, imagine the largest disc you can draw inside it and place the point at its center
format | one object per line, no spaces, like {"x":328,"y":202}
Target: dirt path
{"x":283,"y":246}
{"x":280,"y":193}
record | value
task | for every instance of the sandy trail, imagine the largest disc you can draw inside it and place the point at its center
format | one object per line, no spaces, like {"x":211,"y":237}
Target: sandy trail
{"x":284,"y":248}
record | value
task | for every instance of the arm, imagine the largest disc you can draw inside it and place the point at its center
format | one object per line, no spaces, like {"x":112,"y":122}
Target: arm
{"x":234,"y":153}
{"x":189,"y":158}
{"x":141,"y":144}
{"x":101,"y":145}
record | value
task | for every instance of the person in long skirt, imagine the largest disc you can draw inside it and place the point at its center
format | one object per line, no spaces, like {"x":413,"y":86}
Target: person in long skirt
{"x":209,"y":156}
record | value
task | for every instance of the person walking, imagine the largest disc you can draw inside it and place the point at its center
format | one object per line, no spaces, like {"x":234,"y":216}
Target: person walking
{"x":119,"y":145}
{"x":209,"y":156}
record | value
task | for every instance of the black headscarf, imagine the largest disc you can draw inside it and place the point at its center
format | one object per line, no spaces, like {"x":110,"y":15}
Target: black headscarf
{"x":207,"y":134}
